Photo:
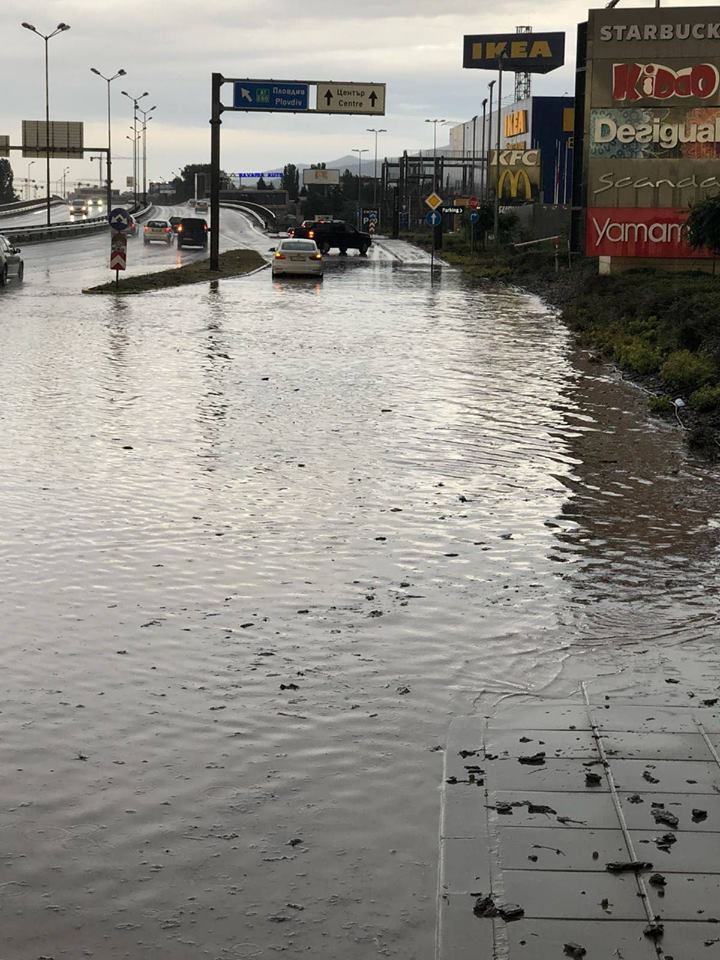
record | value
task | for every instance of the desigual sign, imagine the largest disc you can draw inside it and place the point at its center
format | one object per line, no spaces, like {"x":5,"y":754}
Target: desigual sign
{"x":653,"y":81}
{"x":640,"y":132}
{"x":631,"y":232}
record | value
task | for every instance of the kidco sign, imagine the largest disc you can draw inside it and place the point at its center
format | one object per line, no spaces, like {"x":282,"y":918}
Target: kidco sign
{"x":653,"y":81}
{"x":632,"y":232}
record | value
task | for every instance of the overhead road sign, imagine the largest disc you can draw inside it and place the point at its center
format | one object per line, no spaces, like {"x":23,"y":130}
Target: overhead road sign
{"x":434,"y":201}
{"x":521,"y":52}
{"x":4,"y":146}
{"x":270,"y":96}
{"x":351,"y":98}
{"x":433,"y":219}
{"x":119,"y":219}
{"x":66,"y":139}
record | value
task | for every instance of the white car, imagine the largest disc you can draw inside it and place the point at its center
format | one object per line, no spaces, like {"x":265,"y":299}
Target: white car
{"x":298,"y":257}
{"x":158,"y":230}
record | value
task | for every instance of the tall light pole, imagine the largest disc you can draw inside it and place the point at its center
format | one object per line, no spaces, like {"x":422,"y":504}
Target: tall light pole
{"x":434,"y":123}
{"x":359,"y":153}
{"x":135,"y":101}
{"x":60,"y":28}
{"x":483,"y":158}
{"x":146,"y":119}
{"x":27,"y":181}
{"x":376,"y":132}
{"x":489,"y":133}
{"x":66,"y":171}
{"x":108,"y":80}
{"x":496,"y":219}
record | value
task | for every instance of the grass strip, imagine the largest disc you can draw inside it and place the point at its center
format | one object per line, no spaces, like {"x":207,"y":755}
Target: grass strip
{"x":232,"y":263}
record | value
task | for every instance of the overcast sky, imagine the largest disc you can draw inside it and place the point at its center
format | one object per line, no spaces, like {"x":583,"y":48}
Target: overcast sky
{"x":170,"y":49}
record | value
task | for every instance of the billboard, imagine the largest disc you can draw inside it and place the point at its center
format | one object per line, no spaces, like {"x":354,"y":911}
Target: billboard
{"x":65,"y":140}
{"x":632,"y":232}
{"x":651,"y":127}
{"x":525,"y":52}
{"x":517,"y":177}
{"x":318,"y":176}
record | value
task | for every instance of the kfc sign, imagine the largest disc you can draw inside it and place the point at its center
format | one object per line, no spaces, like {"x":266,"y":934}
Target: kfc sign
{"x":638,"y":232}
{"x":652,"y":81}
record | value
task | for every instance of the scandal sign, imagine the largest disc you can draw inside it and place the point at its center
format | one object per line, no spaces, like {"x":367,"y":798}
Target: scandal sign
{"x":653,"y":81}
{"x":638,"y":232}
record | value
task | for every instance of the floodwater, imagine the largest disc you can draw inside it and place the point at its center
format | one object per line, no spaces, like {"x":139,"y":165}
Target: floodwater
{"x":259,"y":545}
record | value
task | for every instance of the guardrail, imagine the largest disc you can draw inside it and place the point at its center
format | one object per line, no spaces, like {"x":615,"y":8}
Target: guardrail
{"x":10,"y":209}
{"x":64,"y":231}
{"x":262,"y":218}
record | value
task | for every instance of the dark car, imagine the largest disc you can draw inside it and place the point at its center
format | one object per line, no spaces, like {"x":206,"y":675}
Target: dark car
{"x":11,"y":263}
{"x":192,"y":232}
{"x":335,"y":233}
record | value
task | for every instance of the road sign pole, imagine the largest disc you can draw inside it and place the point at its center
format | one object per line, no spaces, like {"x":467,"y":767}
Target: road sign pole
{"x":215,"y":122}
{"x":496,"y":212}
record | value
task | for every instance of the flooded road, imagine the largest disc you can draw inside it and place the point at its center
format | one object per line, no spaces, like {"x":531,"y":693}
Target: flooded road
{"x":260,"y":544}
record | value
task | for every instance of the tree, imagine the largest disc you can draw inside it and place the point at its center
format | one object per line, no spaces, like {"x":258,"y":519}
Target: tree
{"x":187,"y":188}
{"x":7,"y":191}
{"x":703,"y":225}
{"x":291,"y":181}
{"x":261,"y":185}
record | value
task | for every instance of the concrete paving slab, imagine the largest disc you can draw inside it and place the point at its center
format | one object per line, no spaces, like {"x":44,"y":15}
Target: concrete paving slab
{"x":688,"y":808}
{"x":672,"y":776}
{"x":606,"y":940}
{"x":465,"y":812}
{"x":650,"y":717}
{"x":461,"y":934}
{"x":691,"y":941}
{"x":550,"y":849}
{"x":538,"y":808}
{"x":466,"y":866}
{"x":689,"y":897}
{"x":553,"y":775}
{"x":557,"y":744}
{"x":694,"y":853}
{"x":548,"y":715}
{"x":658,"y":746}
{"x":581,"y":895}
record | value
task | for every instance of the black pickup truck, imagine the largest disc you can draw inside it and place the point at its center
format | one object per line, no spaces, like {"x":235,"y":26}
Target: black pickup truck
{"x":334,"y":233}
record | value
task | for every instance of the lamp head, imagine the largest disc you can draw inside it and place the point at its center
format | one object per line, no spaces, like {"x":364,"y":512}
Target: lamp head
{"x":63,"y":26}
{"x":28,"y":26}
{"x":94,"y":70}
{"x":121,"y":73}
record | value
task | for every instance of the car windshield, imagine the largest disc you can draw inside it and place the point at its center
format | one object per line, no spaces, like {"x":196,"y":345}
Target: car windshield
{"x":157,"y":223}
{"x":306,"y":245}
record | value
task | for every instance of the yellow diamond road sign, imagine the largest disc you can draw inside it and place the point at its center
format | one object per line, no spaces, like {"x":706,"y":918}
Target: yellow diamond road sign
{"x":433,"y":201}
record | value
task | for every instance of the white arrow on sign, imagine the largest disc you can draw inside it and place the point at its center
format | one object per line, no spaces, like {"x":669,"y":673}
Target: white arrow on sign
{"x":351,"y":98}
{"x":245,"y":94}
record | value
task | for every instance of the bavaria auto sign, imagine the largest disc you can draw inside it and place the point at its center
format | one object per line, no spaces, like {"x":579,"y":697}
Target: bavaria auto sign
{"x":633,"y":232}
{"x":527,"y":52}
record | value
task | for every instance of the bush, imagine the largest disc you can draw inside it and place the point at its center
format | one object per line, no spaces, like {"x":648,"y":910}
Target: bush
{"x":687,"y":371}
{"x":705,"y":399}
{"x":660,"y":403}
{"x":638,"y":356}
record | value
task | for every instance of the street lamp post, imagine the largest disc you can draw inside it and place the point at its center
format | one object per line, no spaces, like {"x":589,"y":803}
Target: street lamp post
{"x":496,"y":217}
{"x":434,"y":123}
{"x":60,"y":28}
{"x":146,"y":120}
{"x":135,"y":101}
{"x":375,"y":176}
{"x":359,"y":153}
{"x":66,"y":171}
{"x":27,"y":181}
{"x":108,"y":80}
{"x":489,"y":133}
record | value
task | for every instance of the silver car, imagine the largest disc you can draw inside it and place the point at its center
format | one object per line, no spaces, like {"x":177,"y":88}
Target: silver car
{"x":11,"y":263}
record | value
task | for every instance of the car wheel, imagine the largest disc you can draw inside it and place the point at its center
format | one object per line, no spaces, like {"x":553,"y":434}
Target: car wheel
{"x":179,"y":243}
{"x":363,"y":250}
{"x":343,"y":253}
{"x":146,"y":242}
{"x":3,"y":276}
{"x":324,"y":248}
{"x":21,"y":272}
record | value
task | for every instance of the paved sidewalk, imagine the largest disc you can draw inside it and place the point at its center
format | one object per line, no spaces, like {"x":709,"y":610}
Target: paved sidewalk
{"x":584,"y":828}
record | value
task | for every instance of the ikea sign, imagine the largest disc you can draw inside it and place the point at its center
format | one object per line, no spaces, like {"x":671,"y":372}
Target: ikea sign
{"x":520,"y":52}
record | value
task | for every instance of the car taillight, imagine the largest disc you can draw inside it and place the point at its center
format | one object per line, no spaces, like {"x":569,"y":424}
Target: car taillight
{"x":179,"y":228}
{"x":166,"y":229}
{"x":205,"y":226}
{"x":280,"y":256}
{"x":311,"y":234}
{"x":316,"y":256}
{"x":147,"y":229}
